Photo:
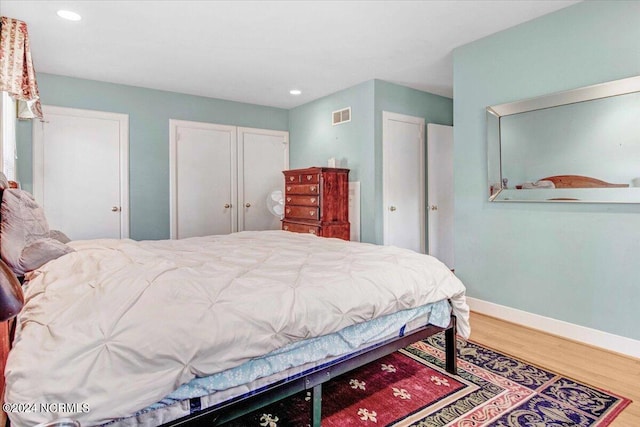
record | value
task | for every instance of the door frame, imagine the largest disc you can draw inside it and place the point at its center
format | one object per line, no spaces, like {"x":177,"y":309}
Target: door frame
{"x":173,"y":169}
{"x":386,"y":117}
{"x":38,"y":155}
{"x":241,"y":132}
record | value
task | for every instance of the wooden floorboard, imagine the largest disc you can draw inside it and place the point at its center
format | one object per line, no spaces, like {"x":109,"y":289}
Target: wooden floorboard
{"x":595,"y":366}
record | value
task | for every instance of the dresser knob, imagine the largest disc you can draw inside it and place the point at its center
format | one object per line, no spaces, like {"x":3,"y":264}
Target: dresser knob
{"x":313,"y":200}
{"x":313,"y":188}
{"x":288,"y":211}
{"x":309,"y":177}
{"x":288,"y":188}
{"x":288,"y":199}
{"x":291,"y":178}
{"x":312,"y":231}
{"x":286,"y":228}
{"x":312,"y":213}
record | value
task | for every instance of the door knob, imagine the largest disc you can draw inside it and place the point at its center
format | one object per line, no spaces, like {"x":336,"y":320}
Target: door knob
{"x":115,"y":209}
{"x":227,"y":205}
{"x":392,"y":208}
{"x":434,"y":207}
{"x":247,"y":205}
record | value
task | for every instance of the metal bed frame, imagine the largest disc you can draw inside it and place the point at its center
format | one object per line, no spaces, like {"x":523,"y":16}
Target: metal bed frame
{"x":313,"y":380}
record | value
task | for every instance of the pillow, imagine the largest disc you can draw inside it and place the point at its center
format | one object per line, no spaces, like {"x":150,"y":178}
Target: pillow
{"x":40,"y":252}
{"x":25,"y":242}
{"x":59,"y":236}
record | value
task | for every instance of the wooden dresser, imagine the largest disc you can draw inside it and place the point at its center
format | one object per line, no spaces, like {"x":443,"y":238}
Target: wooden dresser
{"x":317,"y":202}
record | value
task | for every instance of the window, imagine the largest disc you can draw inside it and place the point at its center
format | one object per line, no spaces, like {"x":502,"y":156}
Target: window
{"x":8,"y":136}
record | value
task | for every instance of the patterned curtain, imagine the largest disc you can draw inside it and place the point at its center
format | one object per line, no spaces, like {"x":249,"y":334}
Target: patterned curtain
{"x":17,"y":76}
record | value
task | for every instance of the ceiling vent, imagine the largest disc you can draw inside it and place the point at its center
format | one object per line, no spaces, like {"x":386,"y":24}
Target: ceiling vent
{"x":341,"y":116}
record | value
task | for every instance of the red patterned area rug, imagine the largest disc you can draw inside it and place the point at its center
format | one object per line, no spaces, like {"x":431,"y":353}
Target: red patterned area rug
{"x":411,"y":388}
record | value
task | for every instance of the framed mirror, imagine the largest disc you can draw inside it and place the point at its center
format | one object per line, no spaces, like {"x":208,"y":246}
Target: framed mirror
{"x":581,"y":145}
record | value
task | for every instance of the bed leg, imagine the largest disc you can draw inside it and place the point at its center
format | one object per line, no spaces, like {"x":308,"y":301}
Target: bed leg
{"x":451,"y":351}
{"x":316,"y":405}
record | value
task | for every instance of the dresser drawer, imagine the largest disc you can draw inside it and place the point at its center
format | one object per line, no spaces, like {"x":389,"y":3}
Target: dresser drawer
{"x":311,"y":178}
{"x":301,"y":212}
{"x":304,"y":178}
{"x":301,"y":189}
{"x":302,"y":200}
{"x":300,"y":228}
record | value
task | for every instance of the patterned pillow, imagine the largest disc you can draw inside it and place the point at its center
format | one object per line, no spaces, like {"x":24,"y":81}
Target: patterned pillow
{"x":25,"y":242}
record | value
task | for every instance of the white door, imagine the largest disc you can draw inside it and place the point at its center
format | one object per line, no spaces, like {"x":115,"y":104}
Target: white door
{"x":203,"y":180}
{"x":262,"y":156}
{"x":81,"y":172}
{"x":440,"y":192}
{"x":403,"y":181}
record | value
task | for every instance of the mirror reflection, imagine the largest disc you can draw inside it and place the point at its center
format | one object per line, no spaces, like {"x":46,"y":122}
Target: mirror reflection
{"x":581,"y":146}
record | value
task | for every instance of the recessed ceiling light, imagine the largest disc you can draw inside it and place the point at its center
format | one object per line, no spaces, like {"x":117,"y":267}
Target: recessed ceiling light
{"x":295,"y":92}
{"x":69,"y":15}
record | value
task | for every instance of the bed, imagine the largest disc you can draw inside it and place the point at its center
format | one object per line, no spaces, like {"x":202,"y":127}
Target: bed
{"x":569,"y":186}
{"x":572,"y":181}
{"x":119,"y":332}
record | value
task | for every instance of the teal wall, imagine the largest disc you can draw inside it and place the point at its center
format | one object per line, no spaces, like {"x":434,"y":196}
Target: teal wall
{"x":149,"y":113}
{"x":313,"y":140}
{"x":358,"y":144}
{"x":573,"y":262}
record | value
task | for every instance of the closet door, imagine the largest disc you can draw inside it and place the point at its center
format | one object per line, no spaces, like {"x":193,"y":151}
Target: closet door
{"x":262,"y":156}
{"x":203,"y":179}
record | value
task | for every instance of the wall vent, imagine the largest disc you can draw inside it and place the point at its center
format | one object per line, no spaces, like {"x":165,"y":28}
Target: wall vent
{"x":341,"y":116}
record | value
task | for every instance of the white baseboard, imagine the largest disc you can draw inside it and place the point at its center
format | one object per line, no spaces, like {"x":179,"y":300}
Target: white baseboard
{"x":617,"y":343}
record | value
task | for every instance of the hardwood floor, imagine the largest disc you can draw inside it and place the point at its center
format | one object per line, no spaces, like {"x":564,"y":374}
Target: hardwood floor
{"x":610,"y":371}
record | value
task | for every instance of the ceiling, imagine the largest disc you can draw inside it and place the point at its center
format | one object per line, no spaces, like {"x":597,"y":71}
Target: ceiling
{"x":256,"y":51}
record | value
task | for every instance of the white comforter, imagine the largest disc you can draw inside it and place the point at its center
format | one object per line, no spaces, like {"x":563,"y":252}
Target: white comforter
{"x":119,"y":324}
